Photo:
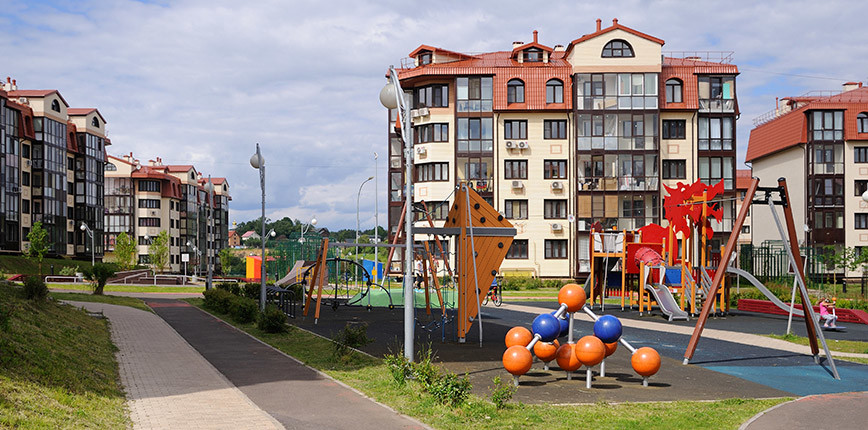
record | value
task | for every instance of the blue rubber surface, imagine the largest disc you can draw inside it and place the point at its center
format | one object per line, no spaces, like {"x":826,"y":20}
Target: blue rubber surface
{"x":801,"y":380}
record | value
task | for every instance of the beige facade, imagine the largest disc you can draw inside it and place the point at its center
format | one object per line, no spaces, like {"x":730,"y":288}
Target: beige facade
{"x":787,"y":164}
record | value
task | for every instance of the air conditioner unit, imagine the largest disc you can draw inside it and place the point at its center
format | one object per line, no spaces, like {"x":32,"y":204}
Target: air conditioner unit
{"x":510,"y":144}
{"x":423,"y":111}
{"x":523,"y":145}
{"x":557,"y":185}
{"x":557,"y":227}
{"x":28,"y":163}
{"x":517,"y":184}
{"x":415,"y":113}
{"x":15,"y":190}
{"x":421,"y":150}
{"x":395,"y":163}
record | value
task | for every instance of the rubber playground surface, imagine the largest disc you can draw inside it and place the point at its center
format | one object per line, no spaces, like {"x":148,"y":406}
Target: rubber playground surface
{"x":719,"y":369}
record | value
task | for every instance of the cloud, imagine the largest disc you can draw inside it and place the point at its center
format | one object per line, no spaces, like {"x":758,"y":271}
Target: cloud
{"x":202,"y":81}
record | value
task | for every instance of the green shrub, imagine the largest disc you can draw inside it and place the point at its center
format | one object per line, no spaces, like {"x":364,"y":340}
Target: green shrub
{"x":424,"y":369}
{"x":251,"y":290}
{"x":68,"y":270}
{"x":231,"y":287}
{"x":501,"y":392}
{"x":399,"y":367}
{"x":218,"y":300}
{"x":273,"y":320}
{"x":34,"y":288}
{"x":450,"y":389}
{"x":351,"y":336}
{"x":244,"y":310}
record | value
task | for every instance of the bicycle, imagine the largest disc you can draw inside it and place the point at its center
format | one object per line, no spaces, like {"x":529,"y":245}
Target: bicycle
{"x":495,"y":293}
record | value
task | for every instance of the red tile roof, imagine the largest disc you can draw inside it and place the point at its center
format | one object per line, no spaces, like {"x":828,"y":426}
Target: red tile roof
{"x":615,"y":26}
{"x":36,"y":93}
{"x":686,"y":70}
{"x":742,"y":179}
{"x":438,"y":51}
{"x":534,"y":44}
{"x":180,"y":167}
{"x":791,"y":128}
{"x":85,"y":112}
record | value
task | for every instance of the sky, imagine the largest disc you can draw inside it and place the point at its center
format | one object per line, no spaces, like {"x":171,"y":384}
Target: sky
{"x":202,"y":81}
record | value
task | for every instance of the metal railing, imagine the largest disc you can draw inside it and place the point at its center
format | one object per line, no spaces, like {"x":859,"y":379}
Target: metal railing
{"x":723,"y":57}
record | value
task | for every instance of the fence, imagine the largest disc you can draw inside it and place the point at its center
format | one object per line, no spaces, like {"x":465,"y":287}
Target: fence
{"x":770,"y":262}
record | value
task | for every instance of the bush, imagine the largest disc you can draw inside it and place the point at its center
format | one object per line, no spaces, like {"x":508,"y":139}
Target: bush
{"x":218,"y":300}
{"x":399,"y":367}
{"x":244,"y":310}
{"x":450,"y":389}
{"x":424,"y":370}
{"x":251,"y":290}
{"x":351,"y":336}
{"x":34,"y":288}
{"x":230,"y":287}
{"x":68,"y":270}
{"x":273,"y":320}
{"x":501,"y":392}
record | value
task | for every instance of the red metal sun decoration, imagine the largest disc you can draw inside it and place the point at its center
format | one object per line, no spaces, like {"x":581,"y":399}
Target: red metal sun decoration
{"x":690,"y":202}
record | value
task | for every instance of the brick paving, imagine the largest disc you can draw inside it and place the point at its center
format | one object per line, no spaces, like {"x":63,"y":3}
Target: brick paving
{"x":168,"y":384}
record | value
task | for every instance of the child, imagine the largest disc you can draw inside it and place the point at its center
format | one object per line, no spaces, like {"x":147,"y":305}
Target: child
{"x":825,"y":307}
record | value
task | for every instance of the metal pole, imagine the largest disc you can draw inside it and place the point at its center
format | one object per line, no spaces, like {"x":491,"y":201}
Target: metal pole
{"x":262,"y":186}
{"x":208,"y":231}
{"x":376,"y":223}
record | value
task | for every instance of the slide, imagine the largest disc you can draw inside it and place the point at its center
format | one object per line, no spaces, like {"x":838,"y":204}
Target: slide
{"x":296,"y":271}
{"x":762,"y":288}
{"x":667,"y":303}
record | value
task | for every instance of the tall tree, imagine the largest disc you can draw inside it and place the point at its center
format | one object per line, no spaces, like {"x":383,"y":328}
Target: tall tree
{"x":125,"y":251}
{"x":159,"y":251}
{"x":38,"y":239}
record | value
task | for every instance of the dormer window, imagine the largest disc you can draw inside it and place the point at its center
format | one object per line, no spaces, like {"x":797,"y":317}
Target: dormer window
{"x":862,"y":122}
{"x":55,"y":105}
{"x":425,"y":58}
{"x":533,"y":55}
{"x":515,"y":91}
{"x":673,"y":91}
{"x":617,"y":48}
{"x":554,"y":91}
{"x":95,"y":122}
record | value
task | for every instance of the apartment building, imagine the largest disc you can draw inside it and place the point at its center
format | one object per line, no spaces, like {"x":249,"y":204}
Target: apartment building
{"x":742,"y":183}
{"x":51,"y":171}
{"x":819,"y":143}
{"x":146,"y":199}
{"x":559,"y":138}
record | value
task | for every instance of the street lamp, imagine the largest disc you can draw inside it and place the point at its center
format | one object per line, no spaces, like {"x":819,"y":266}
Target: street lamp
{"x":306,"y":227}
{"x":210,"y":189}
{"x":358,"y":200}
{"x":392,"y":97}
{"x":185,"y":262}
{"x":148,"y":243}
{"x":87,"y":229}
{"x":258,"y":162}
{"x":376,"y":219}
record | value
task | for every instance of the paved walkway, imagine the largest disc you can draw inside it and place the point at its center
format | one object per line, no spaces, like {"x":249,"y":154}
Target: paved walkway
{"x":827,"y":411}
{"x":169,"y":384}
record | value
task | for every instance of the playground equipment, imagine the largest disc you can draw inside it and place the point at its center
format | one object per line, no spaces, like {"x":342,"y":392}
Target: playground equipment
{"x":588,"y":351}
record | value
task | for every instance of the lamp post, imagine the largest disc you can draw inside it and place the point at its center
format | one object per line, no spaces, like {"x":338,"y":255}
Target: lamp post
{"x":210,"y":189}
{"x":376,"y":219}
{"x":304,"y":228}
{"x":185,"y":263}
{"x":87,"y":229}
{"x":392,"y":97}
{"x":148,"y":242}
{"x":358,"y":201}
{"x":265,"y":238}
{"x":258,"y":162}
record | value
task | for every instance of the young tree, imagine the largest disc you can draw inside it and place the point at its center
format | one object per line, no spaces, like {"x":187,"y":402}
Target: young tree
{"x":159,"y":251}
{"x":38,"y":239}
{"x":99,"y":275}
{"x":125,"y":251}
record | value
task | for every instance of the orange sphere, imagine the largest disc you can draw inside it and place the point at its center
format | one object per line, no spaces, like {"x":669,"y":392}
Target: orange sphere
{"x":517,"y":360}
{"x":546,"y":351}
{"x":645,"y":361}
{"x":574,"y":296}
{"x":610,"y":348}
{"x":518,"y":336}
{"x":590,"y":350}
{"x":567,"y":359}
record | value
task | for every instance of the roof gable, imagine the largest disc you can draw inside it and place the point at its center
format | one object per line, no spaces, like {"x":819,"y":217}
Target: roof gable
{"x":613,"y":27}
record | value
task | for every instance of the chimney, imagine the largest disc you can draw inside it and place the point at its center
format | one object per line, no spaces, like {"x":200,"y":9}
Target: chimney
{"x":14,"y":85}
{"x":850,"y":86}
{"x":559,"y":48}
{"x":534,"y":36}
{"x":8,"y":85}
{"x":599,"y":24}
{"x":516,"y":44}
{"x":615,"y":21}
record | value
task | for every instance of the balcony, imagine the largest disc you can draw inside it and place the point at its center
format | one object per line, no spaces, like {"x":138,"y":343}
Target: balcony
{"x":482,"y":185}
{"x":717,"y":105}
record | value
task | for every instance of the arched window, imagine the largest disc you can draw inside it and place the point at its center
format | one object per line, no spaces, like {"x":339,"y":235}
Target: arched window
{"x":554,"y":91}
{"x":109,"y":167}
{"x":673,"y":91}
{"x":862,"y":122}
{"x":55,"y":105}
{"x":95,"y":122}
{"x":515,"y":91}
{"x":617,"y":48}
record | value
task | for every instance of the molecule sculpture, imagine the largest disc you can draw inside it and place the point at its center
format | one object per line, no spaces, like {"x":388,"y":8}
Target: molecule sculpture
{"x":541,"y":340}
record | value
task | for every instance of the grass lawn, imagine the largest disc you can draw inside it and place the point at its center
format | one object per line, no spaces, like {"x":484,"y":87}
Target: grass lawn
{"x":131,"y":288}
{"x":113,"y":300}
{"x":370,"y":376}
{"x":57,"y":367}
{"x":834,"y":345}
{"x":26,"y":266}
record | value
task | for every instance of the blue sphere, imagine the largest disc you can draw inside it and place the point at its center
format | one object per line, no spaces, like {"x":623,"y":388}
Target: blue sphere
{"x":547,"y":326}
{"x":608,"y":328}
{"x":564,"y":320}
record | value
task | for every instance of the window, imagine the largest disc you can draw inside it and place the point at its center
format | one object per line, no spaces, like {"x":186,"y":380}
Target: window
{"x":533,"y":55}
{"x":432,"y":172}
{"x":555,"y":209}
{"x":515,"y":91}
{"x":555,"y":129}
{"x":149,"y":222}
{"x":860,"y":154}
{"x":144,"y":259}
{"x":70,"y":163}
{"x":715,"y":133}
{"x":828,"y":158}
{"x":437,"y":210}
{"x":149,"y":186}
{"x":518,"y":249}
{"x":830,"y":219}
{"x":555,"y":249}
{"x":25,"y":151}
{"x":713,"y":169}
{"x":617,"y":48}
{"x":431,"y":96}
{"x":515,"y":129}
{"x":515,"y":209}
{"x":149,"y":203}
{"x":674,"y":128}
{"x":25,"y":206}
{"x":474,"y":94}
{"x":861,"y":187}
{"x":25,"y":179}
{"x":55,"y":105}
{"x":515,"y":169}
{"x":674,"y":169}
{"x":554,"y":91}
{"x":745,"y":229}
{"x":95,"y":122}
{"x":475,"y":135}
{"x":828,"y":191}
{"x":425,"y":58}
{"x":673,"y":91}
{"x":861,"y":222}
{"x":555,"y":169}
{"x":610,"y":91}
{"x":431,"y":133}
{"x":827,"y":125}
{"x":862,"y":122}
